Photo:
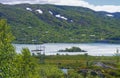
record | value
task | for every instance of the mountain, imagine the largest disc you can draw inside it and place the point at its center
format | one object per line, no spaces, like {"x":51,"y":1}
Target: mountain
{"x":114,"y":15}
{"x":52,"y":23}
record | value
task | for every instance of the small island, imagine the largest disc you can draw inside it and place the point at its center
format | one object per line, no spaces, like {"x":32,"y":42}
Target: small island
{"x":72,"y":49}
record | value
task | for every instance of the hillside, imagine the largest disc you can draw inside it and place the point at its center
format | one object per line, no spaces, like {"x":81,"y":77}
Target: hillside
{"x":52,"y":23}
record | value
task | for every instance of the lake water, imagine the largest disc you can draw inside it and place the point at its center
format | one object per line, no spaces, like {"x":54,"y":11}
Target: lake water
{"x":95,"y":49}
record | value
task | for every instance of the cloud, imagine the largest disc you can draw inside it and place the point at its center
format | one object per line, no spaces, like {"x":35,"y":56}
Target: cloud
{"x":108,"y":8}
{"x":83,"y":3}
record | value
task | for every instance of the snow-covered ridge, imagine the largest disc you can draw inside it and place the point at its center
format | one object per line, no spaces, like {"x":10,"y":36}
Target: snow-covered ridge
{"x":62,"y":17}
{"x":39,"y":11}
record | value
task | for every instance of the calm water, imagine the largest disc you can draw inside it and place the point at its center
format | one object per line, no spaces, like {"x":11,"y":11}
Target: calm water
{"x":95,"y":49}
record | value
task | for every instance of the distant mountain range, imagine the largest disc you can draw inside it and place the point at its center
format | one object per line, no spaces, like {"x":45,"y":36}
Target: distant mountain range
{"x":51,"y":23}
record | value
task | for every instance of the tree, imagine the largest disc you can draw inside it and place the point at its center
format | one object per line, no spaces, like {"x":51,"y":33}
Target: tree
{"x":27,"y":65}
{"x":7,"y":50}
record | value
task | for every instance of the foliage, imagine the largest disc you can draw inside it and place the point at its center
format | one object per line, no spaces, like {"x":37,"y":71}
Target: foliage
{"x":76,"y":63}
{"x":22,"y":65}
{"x":83,"y":24}
{"x":28,"y":67}
{"x":50,"y":71}
{"x":7,"y":51}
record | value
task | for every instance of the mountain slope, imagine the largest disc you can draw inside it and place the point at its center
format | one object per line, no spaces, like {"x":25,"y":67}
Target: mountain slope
{"x":51,"y":23}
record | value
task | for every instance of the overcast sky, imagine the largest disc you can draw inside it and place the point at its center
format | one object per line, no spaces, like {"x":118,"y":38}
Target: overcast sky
{"x":97,"y":5}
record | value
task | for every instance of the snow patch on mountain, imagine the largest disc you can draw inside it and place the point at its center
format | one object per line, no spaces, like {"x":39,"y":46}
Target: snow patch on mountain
{"x":71,"y":20}
{"x":29,"y":9}
{"x":39,"y":11}
{"x":51,"y":12}
{"x":62,"y":17}
{"x":109,"y":15}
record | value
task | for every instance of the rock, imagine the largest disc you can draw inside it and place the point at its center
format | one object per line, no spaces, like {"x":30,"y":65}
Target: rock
{"x":100,"y":64}
{"x":93,"y":73}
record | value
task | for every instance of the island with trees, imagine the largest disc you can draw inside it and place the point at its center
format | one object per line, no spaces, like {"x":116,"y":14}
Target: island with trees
{"x":72,"y":49}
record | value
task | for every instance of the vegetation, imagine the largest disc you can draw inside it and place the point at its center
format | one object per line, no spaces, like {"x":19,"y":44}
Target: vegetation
{"x":92,"y":67}
{"x":24,"y":65}
{"x":83,"y":24}
{"x":72,"y":49}
{"x":7,"y":51}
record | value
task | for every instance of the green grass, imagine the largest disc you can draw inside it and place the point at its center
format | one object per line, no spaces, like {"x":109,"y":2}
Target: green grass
{"x":78,"y":62}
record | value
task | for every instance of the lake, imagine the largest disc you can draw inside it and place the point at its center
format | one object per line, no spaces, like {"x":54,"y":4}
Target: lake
{"x":94,"y":49}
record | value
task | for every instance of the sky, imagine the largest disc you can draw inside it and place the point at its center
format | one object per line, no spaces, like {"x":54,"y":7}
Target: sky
{"x":104,"y":2}
{"x":97,"y":5}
